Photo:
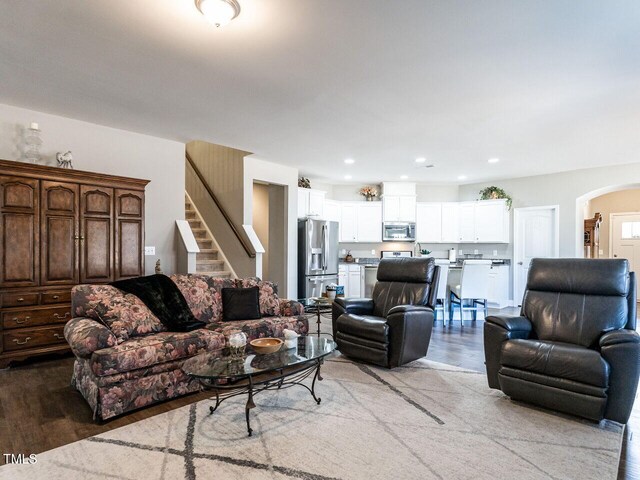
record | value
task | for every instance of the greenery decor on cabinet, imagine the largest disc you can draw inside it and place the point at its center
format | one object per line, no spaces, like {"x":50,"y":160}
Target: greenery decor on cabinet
{"x":495,"y":193}
{"x":304,"y":182}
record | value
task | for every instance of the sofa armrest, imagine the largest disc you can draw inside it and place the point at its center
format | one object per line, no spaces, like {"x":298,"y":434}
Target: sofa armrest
{"x":621,"y":350}
{"x":522,"y":324}
{"x":497,"y":330}
{"x":357,"y":306}
{"x":85,"y":336}
{"x":290,"y":308}
{"x":409,"y":333}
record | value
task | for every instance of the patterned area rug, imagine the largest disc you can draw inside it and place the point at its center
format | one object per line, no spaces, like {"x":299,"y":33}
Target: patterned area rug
{"x":424,"y":421}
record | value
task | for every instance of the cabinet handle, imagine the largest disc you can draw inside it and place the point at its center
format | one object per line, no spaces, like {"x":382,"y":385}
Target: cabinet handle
{"x":21,"y":299}
{"x":18,"y":321}
{"x":55,"y":297}
{"x":18,"y":342}
{"x":57,"y":315}
{"x":58,"y":336}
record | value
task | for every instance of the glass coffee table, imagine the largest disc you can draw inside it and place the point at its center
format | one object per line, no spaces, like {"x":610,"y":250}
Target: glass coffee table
{"x":230,"y":375}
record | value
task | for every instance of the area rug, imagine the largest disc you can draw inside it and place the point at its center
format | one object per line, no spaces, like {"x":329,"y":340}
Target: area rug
{"x":423,"y":421}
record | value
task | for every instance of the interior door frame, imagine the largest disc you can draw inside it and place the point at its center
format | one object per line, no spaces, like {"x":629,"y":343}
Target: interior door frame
{"x":611,"y":215}
{"x":516,"y":240}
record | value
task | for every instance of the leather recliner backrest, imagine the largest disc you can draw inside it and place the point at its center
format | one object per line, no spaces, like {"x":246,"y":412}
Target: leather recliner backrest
{"x":577,"y":300}
{"x":404,"y":281}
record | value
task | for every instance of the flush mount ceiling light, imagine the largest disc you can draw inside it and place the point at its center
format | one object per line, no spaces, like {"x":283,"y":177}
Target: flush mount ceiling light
{"x":404,"y":177}
{"x":421,"y":160}
{"x":348,"y":177}
{"x":462,"y":177}
{"x":349,"y":161}
{"x":493,"y":160}
{"x":218,"y":12}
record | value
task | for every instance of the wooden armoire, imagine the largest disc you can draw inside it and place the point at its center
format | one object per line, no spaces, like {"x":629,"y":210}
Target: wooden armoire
{"x":58,"y":228}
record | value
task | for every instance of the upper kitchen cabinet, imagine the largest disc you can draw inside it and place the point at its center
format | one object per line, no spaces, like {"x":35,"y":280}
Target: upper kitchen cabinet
{"x":466,"y":222}
{"x":450,"y":212}
{"x":332,"y":210}
{"x":485,"y":221}
{"x":399,"y":202}
{"x":361,"y":222}
{"x":310,"y":203}
{"x":429,"y":222}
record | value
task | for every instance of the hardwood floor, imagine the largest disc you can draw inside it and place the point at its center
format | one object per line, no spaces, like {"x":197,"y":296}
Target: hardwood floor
{"x":39,"y":410}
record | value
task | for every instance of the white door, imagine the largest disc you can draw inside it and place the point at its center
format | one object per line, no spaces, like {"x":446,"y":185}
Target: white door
{"x":450,"y":223}
{"x":348,"y":215}
{"x":369,"y":221}
{"x":467,"y":222}
{"x":391,"y":208}
{"x":429,"y":222}
{"x":625,"y":239}
{"x":535,"y":235}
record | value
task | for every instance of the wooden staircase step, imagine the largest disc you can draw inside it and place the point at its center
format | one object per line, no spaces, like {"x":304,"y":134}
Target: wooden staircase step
{"x":194,"y":223}
{"x":209,"y":265}
{"x":190,"y":215}
{"x":218,"y":274}
{"x":207,"y":254}
{"x":204,"y":243}
{"x":199,"y":232}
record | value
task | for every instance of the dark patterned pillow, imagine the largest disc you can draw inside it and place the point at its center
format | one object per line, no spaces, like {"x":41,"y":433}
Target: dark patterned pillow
{"x":269,"y":301}
{"x":240,"y":304}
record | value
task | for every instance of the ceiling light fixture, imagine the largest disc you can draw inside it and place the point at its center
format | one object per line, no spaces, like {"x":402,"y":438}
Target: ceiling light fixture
{"x":348,"y":177}
{"x":493,"y":160}
{"x":404,"y":177}
{"x":218,"y":12}
{"x":349,"y":161}
{"x":462,"y":177}
{"x":421,"y":160}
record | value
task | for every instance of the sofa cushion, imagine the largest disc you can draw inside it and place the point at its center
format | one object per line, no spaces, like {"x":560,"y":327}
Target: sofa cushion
{"x":556,"y":359}
{"x":124,"y":314}
{"x":203,"y":294}
{"x":154,"y":349}
{"x":269,"y":302}
{"x":264,"y":327}
{"x":240,"y":304}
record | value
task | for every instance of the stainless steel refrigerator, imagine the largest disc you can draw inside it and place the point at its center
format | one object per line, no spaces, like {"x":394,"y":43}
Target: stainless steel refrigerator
{"x":317,"y":256}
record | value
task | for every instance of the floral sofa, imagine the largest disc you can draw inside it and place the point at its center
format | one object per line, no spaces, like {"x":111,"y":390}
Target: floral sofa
{"x":125,"y":358}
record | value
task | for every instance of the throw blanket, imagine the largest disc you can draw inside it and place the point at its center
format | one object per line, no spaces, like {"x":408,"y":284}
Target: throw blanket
{"x":164,"y":299}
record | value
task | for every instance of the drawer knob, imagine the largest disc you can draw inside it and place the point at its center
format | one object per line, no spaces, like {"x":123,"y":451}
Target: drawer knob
{"x":21,"y":299}
{"x":55,"y":297}
{"x":58,"y":336}
{"x":18,"y":342}
{"x":18,"y":320}
{"x":57,"y":315}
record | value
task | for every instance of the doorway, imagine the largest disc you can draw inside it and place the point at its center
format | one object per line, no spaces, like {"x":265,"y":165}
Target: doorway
{"x":535,"y":235}
{"x":270,"y":225}
{"x":624,"y":234}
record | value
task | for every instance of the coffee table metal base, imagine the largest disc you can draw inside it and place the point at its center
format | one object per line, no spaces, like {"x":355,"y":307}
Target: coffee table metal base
{"x":277,"y":380}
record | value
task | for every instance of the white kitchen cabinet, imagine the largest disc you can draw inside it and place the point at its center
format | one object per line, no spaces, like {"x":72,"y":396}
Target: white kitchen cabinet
{"x":466,"y":222}
{"x":348,"y":222}
{"x":332,"y":210}
{"x":361,"y":222}
{"x":310,"y":203}
{"x":498,"y":296}
{"x":369,"y":222}
{"x":491,"y":221}
{"x":429,"y":222}
{"x":355,"y":281}
{"x":450,"y":222}
{"x":399,"y":208}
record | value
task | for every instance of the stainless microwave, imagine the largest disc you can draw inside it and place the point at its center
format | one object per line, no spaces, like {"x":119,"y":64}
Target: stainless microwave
{"x":398,"y":232}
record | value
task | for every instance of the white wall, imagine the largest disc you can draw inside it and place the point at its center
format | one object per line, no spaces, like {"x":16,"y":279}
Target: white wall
{"x":569,"y":190}
{"x":259,"y":170}
{"x":108,"y":150}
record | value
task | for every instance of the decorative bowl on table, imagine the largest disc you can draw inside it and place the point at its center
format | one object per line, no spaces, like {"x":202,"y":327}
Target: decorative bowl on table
{"x":263,"y":346}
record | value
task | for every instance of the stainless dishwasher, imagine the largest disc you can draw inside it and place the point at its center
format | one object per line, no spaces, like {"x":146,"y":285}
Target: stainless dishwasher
{"x":370,"y":274}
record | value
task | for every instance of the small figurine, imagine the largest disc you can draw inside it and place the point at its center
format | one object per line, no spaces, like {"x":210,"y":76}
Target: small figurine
{"x":158,"y":267}
{"x":64,"y":160}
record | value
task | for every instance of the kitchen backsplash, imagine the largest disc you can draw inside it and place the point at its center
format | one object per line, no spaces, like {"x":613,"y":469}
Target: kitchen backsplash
{"x":438,"y":250}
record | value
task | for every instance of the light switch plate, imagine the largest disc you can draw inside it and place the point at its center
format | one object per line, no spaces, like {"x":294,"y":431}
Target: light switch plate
{"x":149,"y":250}
{"x":495,"y":253}
{"x":373,"y":251}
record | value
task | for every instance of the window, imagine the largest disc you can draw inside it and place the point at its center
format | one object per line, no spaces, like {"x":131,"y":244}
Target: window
{"x":630,"y":230}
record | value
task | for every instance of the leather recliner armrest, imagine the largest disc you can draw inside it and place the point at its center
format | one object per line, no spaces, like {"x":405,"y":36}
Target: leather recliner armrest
{"x":358,"y":306}
{"x":621,"y":350}
{"x":409,"y":333}
{"x":521,"y":324}
{"x":409,"y":308}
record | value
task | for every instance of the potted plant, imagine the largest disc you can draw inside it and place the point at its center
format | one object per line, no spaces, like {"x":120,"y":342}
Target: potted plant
{"x":495,"y":193}
{"x":304,"y":182}
{"x":369,"y":193}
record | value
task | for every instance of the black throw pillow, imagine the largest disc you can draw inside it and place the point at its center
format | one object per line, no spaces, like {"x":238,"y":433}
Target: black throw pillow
{"x":240,"y":303}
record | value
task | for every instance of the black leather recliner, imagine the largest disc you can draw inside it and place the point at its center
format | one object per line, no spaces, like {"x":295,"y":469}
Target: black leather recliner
{"x":394,"y":326}
{"x":574,"y":347}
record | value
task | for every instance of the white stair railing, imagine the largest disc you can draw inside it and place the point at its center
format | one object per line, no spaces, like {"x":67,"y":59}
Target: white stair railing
{"x":187,"y":249}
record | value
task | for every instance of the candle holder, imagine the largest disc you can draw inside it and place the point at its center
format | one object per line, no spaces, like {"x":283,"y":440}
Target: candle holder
{"x":33,"y":142}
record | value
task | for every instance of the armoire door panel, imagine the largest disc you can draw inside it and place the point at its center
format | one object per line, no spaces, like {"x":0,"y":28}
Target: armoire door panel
{"x":18,"y":232}
{"x":130,"y":203}
{"x":96,"y":260}
{"x":59,"y":233}
{"x":96,"y":200}
{"x":19,"y":192}
{"x":130,"y":259}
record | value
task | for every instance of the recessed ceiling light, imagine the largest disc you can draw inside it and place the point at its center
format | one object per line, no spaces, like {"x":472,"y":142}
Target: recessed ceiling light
{"x":421,"y":160}
{"x":462,"y":177}
{"x":218,"y":12}
{"x":493,"y":160}
{"x":349,"y":161}
{"x":348,"y":177}
{"x":404,"y":177}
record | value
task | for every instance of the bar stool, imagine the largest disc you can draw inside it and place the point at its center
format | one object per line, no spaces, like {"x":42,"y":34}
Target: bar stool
{"x":473,"y":288}
{"x":441,"y":295}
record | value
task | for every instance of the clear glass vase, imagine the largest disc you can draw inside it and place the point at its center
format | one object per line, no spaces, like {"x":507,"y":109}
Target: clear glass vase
{"x":33,"y":143}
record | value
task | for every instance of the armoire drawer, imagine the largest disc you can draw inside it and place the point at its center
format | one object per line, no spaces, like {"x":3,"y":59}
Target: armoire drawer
{"x":48,"y":298}
{"x":36,"y":316}
{"x":19,"y":299}
{"x":32,"y":337}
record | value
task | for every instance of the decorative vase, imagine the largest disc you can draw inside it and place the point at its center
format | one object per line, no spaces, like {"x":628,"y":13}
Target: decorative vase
{"x":369,"y":198}
{"x":33,"y":142}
